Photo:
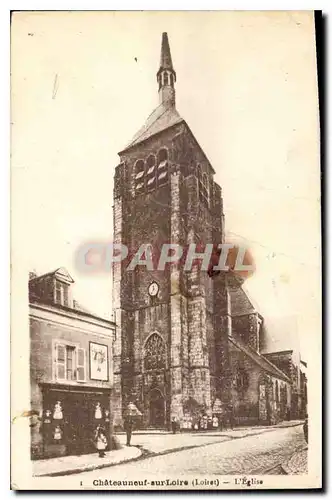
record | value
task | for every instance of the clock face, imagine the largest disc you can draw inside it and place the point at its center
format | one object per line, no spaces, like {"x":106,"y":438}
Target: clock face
{"x":153,"y":289}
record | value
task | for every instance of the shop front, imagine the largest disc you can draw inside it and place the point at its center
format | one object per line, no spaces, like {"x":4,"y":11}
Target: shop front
{"x":70,"y":417}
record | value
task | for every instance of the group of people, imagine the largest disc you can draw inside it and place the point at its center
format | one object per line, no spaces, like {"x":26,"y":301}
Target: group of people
{"x":203,"y":422}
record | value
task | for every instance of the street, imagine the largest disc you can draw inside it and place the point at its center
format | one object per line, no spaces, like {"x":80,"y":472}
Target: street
{"x":255,"y":454}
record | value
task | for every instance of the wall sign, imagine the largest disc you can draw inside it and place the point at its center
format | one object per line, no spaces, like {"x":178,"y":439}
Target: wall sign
{"x":98,"y":361}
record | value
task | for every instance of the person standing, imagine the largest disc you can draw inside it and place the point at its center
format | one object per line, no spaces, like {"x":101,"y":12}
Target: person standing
{"x":231,"y":416}
{"x":174,"y":425}
{"x":101,"y":441}
{"x":128,"y":426}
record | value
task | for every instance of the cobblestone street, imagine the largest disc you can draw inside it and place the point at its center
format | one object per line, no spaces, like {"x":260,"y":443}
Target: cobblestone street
{"x":254,"y":454}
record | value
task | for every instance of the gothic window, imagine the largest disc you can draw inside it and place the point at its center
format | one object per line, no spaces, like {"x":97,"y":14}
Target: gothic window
{"x":203,"y":186}
{"x":154,"y":353}
{"x":206,"y":186}
{"x":242,"y":380}
{"x":165,"y":79}
{"x":171,"y":79}
{"x":199,"y":173}
{"x":139,"y":176}
{"x":162,"y":170}
{"x":151,"y":172}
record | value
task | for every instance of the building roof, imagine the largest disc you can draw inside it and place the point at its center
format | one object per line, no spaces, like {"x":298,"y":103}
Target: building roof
{"x":259,"y":360}
{"x":162,"y":118}
{"x":277,"y":353}
{"x":60,"y":273}
{"x":63,"y":275}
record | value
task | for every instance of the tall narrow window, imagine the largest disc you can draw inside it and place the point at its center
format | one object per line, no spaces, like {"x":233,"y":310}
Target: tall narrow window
{"x":80,"y":375}
{"x":139,"y":176}
{"x":151,"y":172}
{"x":70,"y":351}
{"x":58,"y":292}
{"x":203,"y":186}
{"x":66,"y":295}
{"x":162,"y":172}
{"x":60,"y":360}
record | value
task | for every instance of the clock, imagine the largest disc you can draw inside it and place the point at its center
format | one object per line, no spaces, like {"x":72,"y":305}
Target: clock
{"x":153,"y":289}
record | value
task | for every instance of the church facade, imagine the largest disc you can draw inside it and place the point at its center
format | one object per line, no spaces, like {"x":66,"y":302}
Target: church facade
{"x":180,"y":351}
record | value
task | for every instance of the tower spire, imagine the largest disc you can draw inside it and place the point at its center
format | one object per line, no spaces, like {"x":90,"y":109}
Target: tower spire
{"x":166,"y":75}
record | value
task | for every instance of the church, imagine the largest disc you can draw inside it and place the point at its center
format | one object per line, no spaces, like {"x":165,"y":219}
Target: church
{"x":187,"y":345}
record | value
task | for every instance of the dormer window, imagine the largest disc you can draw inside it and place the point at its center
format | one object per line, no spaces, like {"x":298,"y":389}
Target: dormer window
{"x":61,"y":293}
{"x":58,"y":292}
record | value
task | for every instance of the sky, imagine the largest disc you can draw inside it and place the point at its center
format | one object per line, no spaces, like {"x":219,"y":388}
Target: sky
{"x":83,"y":83}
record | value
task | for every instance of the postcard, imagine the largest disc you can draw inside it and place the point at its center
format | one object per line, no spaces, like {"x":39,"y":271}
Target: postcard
{"x":166,"y":251}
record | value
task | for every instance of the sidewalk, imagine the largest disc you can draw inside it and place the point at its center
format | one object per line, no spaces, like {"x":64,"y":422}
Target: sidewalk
{"x":73,"y":464}
{"x":166,"y":442}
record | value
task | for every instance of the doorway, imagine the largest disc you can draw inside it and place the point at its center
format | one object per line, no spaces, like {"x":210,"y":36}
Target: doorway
{"x":157,"y":409}
{"x":70,"y":419}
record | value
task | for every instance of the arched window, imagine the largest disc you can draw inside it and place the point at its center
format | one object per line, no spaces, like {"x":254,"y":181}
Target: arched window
{"x":171,"y":79}
{"x":242,"y":381}
{"x":162,"y":171}
{"x":199,"y":173}
{"x":162,"y":155}
{"x":151,"y":172}
{"x":206,"y":182}
{"x":139,"y":176}
{"x":165,"y":79}
{"x":203,"y":186}
{"x":154,"y":353}
{"x":277,"y":391}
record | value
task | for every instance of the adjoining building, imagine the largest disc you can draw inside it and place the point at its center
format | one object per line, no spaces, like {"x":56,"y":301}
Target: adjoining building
{"x":71,"y":369}
{"x":290,"y":363}
{"x":186,"y":343}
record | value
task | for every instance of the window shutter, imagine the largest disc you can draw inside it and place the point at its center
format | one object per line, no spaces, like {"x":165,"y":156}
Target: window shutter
{"x":81,"y":365}
{"x":60,"y":360}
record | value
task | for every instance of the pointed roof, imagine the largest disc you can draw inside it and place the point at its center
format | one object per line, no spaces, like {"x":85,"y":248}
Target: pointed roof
{"x":60,"y":273}
{"x":162,"y":118}
{"x":165,"y":55}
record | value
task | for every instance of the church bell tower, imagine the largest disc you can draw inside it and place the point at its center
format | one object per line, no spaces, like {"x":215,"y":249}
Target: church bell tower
{"x":171,"y":340}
